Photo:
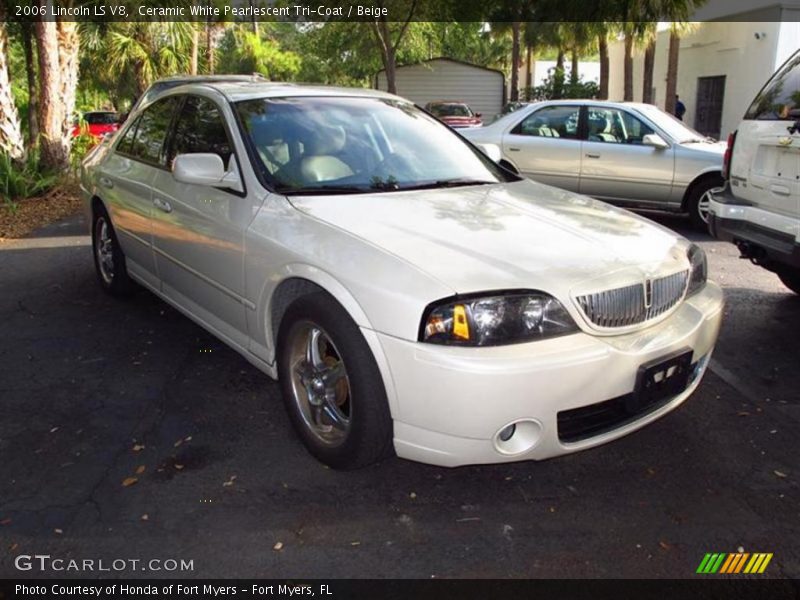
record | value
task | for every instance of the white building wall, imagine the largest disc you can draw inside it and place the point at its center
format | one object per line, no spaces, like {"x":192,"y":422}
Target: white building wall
{"x":713,"y":49}
{"x":442,"y":79}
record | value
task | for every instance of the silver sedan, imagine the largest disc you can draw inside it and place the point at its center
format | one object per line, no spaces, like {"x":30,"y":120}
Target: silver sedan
{"x":635,"y":155}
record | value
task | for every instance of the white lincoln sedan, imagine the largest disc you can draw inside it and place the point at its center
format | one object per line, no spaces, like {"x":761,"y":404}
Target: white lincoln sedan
{"x":409,"y":294}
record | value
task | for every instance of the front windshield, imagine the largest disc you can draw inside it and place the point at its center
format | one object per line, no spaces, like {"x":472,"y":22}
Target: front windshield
{"x":672,"y":126}
{"x":357,"y":145}
{"x":451,"y":110}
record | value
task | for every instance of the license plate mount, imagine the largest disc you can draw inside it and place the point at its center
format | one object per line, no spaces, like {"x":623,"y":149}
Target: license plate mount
{"x":660,"y":379}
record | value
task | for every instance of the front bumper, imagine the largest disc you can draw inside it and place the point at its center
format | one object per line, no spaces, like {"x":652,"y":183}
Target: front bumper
{"x":451,"y":403}
{"x":776,"y":235}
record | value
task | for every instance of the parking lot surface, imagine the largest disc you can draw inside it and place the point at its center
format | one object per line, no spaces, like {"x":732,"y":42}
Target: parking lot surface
{"x":128,"y":432}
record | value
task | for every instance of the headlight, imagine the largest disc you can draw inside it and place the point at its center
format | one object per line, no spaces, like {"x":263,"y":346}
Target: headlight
{"x":698,"y":273}
{"x":495,"y":320}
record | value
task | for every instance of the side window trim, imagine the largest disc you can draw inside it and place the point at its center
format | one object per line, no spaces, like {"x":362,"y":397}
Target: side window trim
{"x":167,"y":134}
{"x":624,"y":111}
{"x":228,"y":134}
{"x":121,"y":138}
{"x":517,"y":129}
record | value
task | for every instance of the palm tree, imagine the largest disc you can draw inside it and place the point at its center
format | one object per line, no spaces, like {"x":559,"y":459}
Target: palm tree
{"x":649,"y":63}
{"x":53,"y":144}
{"x":11,"y":141}
{"x":677,"y":12}
{"x":602,"y":30}
{"x":149,"y":49}
{"x":676,"y":31}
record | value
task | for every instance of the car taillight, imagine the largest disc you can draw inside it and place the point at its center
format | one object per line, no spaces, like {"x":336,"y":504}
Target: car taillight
{"x":726,"y":160}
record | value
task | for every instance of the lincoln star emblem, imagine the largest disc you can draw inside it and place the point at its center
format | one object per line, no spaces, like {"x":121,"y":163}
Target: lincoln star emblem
{"x":648,"y":293}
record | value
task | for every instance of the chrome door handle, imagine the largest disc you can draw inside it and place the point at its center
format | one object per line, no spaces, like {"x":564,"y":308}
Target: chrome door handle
{"x":592,"y":156}
{"x":106,"y":182}
{"x":162,"y":205}
{"x":513,"y":149}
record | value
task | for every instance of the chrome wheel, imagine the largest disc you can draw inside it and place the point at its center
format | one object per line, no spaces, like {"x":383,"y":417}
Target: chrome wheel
{"x":319,"y":382}
{"x":704,"y":203}
{"x":104,"y":249}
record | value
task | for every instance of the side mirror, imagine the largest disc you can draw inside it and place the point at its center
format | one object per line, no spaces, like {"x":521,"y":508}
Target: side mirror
{"x":206,"y":169}
{"x":492,"y":151}
{"x":654,"y":140}
{"x":478,"y":115}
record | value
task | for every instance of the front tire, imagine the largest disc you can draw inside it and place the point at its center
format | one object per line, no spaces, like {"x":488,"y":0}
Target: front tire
{"x":109,"y":260}
{"x":698,"y":202}
{"x":331,"y":385}
{"x":790,"y":278}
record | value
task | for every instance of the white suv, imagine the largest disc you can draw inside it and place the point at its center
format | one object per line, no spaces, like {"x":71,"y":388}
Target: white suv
{"x":759,"y":208}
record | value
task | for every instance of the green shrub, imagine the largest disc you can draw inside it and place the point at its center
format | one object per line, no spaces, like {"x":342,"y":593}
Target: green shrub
{"x":81,"y":144}
{"x":22,"y":180}
{"x":556,"y":87}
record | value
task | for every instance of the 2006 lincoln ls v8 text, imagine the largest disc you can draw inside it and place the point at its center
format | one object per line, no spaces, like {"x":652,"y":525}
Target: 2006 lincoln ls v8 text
{"x":409,"y":294}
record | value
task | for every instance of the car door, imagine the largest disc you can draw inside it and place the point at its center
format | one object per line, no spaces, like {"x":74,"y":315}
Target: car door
{"x":545,"y":146}
{"x":124,"y":181}
{"x":616,"y":164}
{"x":198,"y":230}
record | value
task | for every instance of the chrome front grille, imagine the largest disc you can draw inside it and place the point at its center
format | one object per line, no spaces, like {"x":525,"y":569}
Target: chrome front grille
{"x":634,"y":304}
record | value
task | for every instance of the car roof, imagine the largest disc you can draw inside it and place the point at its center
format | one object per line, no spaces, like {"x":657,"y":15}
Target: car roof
{"x":602,"y":103}
{"x":246,"y":87}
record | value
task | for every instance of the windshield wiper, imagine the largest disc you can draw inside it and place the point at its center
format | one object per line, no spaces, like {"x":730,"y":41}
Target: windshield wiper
{"x":445,"y":183}
{"x":322,"y":189}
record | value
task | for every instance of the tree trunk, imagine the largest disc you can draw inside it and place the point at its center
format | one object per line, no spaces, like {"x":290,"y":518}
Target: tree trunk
{"x":515,"y":55}
{"x":602,"y":44}
{"x":558,"y":76}
{"x":647,"y":78}
{"x":69,"y":45}
{"x":33,"y":91}
{"x":529,"y":69}
{"x":195,"y":50}
{"x":210,"y":54}
{"x":54,"y":154}
{"x":573,"y":74}
{"x":628,"y":62}
{"x":11,"y":140}
{"x":672,"y":72}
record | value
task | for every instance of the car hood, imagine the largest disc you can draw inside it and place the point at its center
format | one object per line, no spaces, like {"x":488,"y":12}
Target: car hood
{"x":707,"y":147}
{"x":521,"y":235}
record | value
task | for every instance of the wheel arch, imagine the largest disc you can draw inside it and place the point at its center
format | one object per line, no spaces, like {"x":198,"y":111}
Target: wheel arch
{"x":300,"y":280}
{"x":711,"y":175}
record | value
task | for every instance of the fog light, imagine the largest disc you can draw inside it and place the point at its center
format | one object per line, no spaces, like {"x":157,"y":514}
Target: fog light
{"x":518,"y":437}
{"x":507,"y":432}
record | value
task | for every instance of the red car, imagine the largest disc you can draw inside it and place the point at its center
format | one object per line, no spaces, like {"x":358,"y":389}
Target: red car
{"x":456,"y":114}
{"x":98,"y":123}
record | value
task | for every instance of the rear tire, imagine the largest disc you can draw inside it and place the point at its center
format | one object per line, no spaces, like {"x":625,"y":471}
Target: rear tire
{"x":697,"y":203}
{"x":331,"y":385}
{"x":109,"y":260}
{"x":790,"y":278}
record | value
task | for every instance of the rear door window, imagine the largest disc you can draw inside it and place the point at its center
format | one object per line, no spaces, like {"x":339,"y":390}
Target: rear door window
{"x":780,"y":98}
{"x":551,"y":121}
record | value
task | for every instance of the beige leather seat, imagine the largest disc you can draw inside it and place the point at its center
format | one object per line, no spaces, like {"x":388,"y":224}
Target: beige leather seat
{"x":319,"y":161}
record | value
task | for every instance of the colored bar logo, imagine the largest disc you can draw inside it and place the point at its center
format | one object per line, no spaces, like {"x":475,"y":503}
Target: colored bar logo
{"x":734,"y":563}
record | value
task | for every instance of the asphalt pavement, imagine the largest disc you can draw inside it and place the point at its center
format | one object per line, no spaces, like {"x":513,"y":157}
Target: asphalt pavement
{"x":129,"y":433}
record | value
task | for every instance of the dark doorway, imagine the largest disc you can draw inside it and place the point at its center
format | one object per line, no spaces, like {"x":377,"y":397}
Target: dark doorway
{"x":708,"y":113}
